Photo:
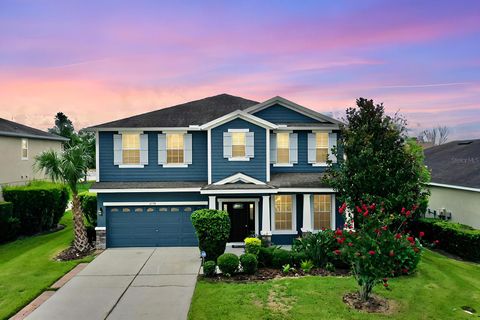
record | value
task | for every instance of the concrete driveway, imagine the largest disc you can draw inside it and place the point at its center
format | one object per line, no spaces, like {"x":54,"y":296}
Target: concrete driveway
{"x":136,"y":283}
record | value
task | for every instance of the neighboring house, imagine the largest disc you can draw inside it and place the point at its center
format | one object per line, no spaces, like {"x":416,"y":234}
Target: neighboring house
{"x":20,"y":145}
{"x":455,"y":185}
{"x":261,"y":162}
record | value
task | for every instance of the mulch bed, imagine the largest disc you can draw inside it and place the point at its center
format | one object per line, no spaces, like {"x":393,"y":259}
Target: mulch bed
{"x":269,"y":273}
{"x":375,"y":304}
{"x":72,"y":254}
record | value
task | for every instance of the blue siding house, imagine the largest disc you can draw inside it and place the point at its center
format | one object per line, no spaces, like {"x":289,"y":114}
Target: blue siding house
{"x":263,"y":163}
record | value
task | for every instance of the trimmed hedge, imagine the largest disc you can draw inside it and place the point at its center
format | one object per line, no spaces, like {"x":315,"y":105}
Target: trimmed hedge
{"x":213,"y":229}
{"x":38,"y":207}
{"x":9,"y":225}
{"x":228,"y":263}
{"x":456,"y":238}
{"x":88,"y":201}
{"x":249,"y":263}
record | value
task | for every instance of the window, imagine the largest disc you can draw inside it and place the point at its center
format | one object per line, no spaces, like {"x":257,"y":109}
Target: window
{"x":283,"y":147}
{"x":322,"y":211}
{"x":322,"y":147}
{"x":283,"y":212}
{"x":24,"y":149}
{"x":131,"y":148}
{"x":175,"y":147}
{"x":238,"y":144}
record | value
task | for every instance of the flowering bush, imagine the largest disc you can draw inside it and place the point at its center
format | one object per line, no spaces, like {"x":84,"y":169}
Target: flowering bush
{"x":252,"y":245}
{"x":378,"y":247}
{"x":319,"y":247}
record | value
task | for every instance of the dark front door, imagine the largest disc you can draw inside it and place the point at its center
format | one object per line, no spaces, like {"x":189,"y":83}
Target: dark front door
{"x":242,"y":219}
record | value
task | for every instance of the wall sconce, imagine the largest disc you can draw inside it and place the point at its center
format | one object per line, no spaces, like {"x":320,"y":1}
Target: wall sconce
{"x":100,"y":211}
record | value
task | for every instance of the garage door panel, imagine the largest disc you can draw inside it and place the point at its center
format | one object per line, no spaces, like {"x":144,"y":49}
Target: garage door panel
{"x":150,"y":226}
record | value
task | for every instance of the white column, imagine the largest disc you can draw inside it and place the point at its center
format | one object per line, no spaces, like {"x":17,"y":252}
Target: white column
{"x":307,"y":214}
{"x":266,"y":230}
{"x":211,"y":202}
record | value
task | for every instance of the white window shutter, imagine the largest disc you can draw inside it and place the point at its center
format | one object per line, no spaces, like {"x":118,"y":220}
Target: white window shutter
{"x":227,"y":145}
{"x":144,"y":149}
{"x":293,"y":148}
{"x":162,"y":148}
{"x":117,"y":149}
{"x":249,"y":144}
{"x":273,"y":148}
{"x":312,"y":148}
{"x":187,"y":148}
{"x":332,"y":142}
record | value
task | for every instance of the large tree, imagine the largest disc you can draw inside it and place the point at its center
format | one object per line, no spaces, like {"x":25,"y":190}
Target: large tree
{"x":69,"y":167}
{"x":379,"y":166}
{"x":63,"y":127}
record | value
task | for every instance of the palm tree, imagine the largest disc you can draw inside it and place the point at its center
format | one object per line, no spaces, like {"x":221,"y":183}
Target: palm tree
{"x":69,"y":167}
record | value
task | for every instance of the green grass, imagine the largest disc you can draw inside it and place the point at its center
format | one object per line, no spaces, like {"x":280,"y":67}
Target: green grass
{"x":438,"y":290}
{"x":27,"y":267}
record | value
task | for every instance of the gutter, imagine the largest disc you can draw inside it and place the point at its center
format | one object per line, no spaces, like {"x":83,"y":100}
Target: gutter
{"x":450,"y":186}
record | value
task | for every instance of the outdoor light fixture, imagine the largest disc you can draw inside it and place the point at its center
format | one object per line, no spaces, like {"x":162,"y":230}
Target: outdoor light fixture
{"x":100,"y":211}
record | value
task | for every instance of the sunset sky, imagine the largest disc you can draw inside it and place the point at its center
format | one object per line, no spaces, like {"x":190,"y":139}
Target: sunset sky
{"x":111,"y":59}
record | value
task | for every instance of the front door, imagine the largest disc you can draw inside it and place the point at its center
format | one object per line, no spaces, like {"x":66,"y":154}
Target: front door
{"x":242,"y":219}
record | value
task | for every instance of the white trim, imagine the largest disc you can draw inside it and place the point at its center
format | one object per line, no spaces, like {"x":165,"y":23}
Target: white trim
{"x":169,"y":131}
{"x":453,"y":187}
{"x":255,"y":200}
{"x":319,"y":164}
{"x":159,"y":203}
{"x":239,"y":191}
{"x":238,"y":114}
{"x":293,"y":106}
{"x":307,"y":225}
{"x":239,"y":177}
{"x":100,"y":228}
{"x":266,"y":224}
{"x":334,"y":213}
{"x":267,"y":131}
{"x":146,"y":190}
{"x":190,"y":128}
{"x":97,"y":156}
{"x":137,"y":131}
{"x":283,"y":164}
{"x":319,"y":128}
{"x":301,"y":190}
{"x":238,"y":130}
{"x":212,"y":202}
{"x":209,"y":155}
{"x":294,"y":215}
{"x":175,"y":165}
{"x":238,"y":159}
{"x":126,"y":166}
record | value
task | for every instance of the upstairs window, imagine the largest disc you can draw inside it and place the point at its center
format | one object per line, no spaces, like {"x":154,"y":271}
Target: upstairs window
{"x":130,"y":148}
{"x":322,"y":211}
{"x":283,"y":147}
{"x":322,"y":147}
{"x":238,"y":144}
{"x":175,"y":148}
{"x":24,"y":149}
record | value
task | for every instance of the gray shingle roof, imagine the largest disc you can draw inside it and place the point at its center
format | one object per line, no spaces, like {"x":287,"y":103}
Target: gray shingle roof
{"x":297,"y":180}
{"x":455,"y":163}
{"x":191,"y":113}
{"x":14,"y":129}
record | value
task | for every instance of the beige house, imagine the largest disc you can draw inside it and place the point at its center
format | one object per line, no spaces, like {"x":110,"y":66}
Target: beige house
{"x":19,"y":145}
{"x":455,"y":186}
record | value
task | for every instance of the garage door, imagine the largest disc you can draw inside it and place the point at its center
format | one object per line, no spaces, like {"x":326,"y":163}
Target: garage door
{"x":150,"y":226}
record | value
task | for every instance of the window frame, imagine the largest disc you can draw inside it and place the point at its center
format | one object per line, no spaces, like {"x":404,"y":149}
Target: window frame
{"x":332,"y":211}
{"x":175,"y":164}
{"x":321,"y":164}
{"x":294,"y":215}
{"x":283,"y":164}
{"x":132,"y":165}
{"x":21,"y":148}
{"x":244,"y":157}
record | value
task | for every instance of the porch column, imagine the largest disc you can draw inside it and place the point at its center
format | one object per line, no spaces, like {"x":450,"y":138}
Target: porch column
{"x":307,"y":214}
{"x":211,"y":202}
{"x":266,"y":230}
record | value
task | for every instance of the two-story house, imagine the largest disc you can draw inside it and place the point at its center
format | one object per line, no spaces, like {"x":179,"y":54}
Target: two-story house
{"x":261,"y":162}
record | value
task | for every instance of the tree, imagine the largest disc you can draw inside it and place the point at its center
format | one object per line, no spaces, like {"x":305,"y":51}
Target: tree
{"x":87,"y":140}
{"x":64,"y":128}
{"x":69,"y":167}
{"x":436,"y":136}
{"x":378,"y":163}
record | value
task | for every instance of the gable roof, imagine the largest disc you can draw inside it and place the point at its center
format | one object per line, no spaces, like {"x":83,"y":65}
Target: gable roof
{"x":456,"y":163}
{"x":183,"y":115}
{"x":14,"y":129}
{"x":239,"y":114}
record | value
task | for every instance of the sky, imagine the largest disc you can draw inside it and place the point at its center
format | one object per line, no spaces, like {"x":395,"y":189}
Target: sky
{"x":98,"y":61}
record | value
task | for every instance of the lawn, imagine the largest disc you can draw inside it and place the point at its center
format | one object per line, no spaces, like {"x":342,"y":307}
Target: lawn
{"x":27,"y":267}
{"x":438,"y":290}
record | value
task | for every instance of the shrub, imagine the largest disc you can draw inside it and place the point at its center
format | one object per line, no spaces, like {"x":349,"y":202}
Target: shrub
{"x":9,"y":225}
{"x":249,"y":263}
{"x":213,"y":229}
{"x":298,"y":257}
{"x":228,"y":263}
{"x":91,"y":234}
{"x":455,"y":238}
{"x":88,"y":201}
{"x":252,"y":245}
{"x":265,"y":256}
{"x":209,"y":268}
{"x":38,"y":207}
{"x":318,"y":247}
{"x":306,"y":266}
{"x":281,"y":257}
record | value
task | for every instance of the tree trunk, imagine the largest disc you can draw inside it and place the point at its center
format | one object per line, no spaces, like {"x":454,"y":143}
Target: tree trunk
{"x":80,"y":241}
{"x":365,"y":290}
